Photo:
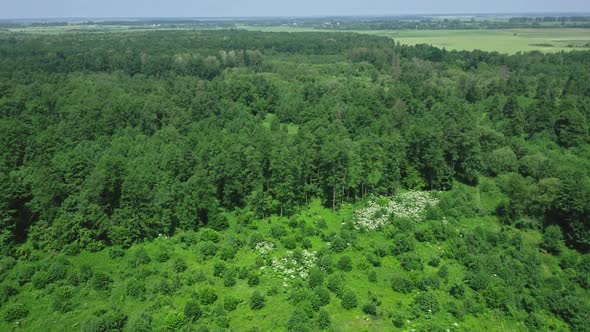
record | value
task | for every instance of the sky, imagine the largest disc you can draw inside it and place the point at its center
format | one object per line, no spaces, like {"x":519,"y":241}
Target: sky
{"x":265,"y":8}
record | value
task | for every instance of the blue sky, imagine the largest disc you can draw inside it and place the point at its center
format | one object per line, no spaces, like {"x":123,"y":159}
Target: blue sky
{"x":219,"y":8}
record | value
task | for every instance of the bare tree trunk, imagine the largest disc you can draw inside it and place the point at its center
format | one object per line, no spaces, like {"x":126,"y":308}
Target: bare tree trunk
{"x":334,"y":199}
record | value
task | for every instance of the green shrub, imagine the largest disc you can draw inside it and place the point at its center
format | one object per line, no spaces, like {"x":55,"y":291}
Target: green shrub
{"x":116,"y":252}
{"x":207,"y":296}
{"x":101,"y":281}
{"x":370,"y":309}
{"x":112,"y":321}
{"x":335,"y":283}
{"x":136,"y":288}
{"x":402,"y":284}
{"x":208,"y":249}
{"x":41,"y":279}
{"x":411,"y":262}
{"x":426,"y":302}
{"x":192,"y":311}
{"x":345,"y":264}
{"x":15,"y":311}
{"x":338,"y":244}
{"x":174,"y":321}
{"x":299,"y":321}
{"x":179,"y":265}
{"x":257,"y":301}
{"x":324,"y":321}
{"x":230,"y":303}
{"x":140,"y":257}
{"x":25,"y":274}
{"x":62,"y":299}
{"x":253,"y":279}
{"x":349,"y":300}
{"x":403,"y":244}
{"x":141,"y":323}
{"x":162,"y":254}
{"x":315,"y":278}
{"x":553,"y":239}
{"x":6,"y":292}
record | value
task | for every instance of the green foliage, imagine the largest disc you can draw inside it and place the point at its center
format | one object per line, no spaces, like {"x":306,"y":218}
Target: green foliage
{"x":553,"y":239}
{"x":103,"y":320}
{"x":257,"y":300}
{"x":192,"y":311}
{"x":15,"y":311}
{"x":349,"y":300}
{"x":101,"y":281}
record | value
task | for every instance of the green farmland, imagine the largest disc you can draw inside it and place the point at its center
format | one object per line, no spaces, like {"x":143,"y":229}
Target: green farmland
{"x":504,"y":41}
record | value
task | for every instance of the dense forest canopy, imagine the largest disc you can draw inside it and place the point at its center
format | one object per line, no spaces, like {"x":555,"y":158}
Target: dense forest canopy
{"x":108,"y":140}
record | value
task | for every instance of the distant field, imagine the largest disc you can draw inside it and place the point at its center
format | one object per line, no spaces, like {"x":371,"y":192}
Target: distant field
{"x":505,"y":41}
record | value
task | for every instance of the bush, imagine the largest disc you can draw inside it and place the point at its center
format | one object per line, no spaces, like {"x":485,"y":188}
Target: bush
{"x":207,"y":296}
{"x":338,"y":244}
{"x":112,"y":321}
{"x":299,"y":321}
{"x":402,"y":284}
{"x":61,"y":301}
{"x":142,"y":323}
{"x":25,"y":274}
{"x":253,"y":279}
{"x":553,"y":239}
{"x":289,"y":243}
{"x":345,"y":264}
{"x":15,"y":312}
{"x":257,"y":301}
{"x":136,"y":288}
{"x":192,"y":311}
{"x":426,"y":302}
{"x":179,"y":265}
{"x":116,"y":252}
{"x":349,"y":300}
{"x":322,"y":297}
{"x":162,"y":254}
{"x":6,"y":292}
{"x":411,"y":262}
{"x":41,"y":279}
{"x":208,"y":249}
{"x":315,"y":278}
{"x":219,"y":223}
{"x":403,"y":244}
{"x":324,"y":321}
{"x":140,"y":257}
{"x":101,"y":281}
{"x":370,"y":309}
{"x":335,"y":283}
{"x":230,"y":303}
{"x":174,"y":321}
{"x":277,"y":231}
{"x":207,"y":234}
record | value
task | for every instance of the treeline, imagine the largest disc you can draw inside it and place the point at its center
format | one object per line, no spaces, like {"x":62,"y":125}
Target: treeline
{"x":116,"y":138}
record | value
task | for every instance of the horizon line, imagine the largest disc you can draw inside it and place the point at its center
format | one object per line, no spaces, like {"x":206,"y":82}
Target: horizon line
{"x":570,"y":13}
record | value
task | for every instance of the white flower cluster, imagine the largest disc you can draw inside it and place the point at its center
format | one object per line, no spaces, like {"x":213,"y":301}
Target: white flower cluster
{"x":289,"y":268}
{"x":264,"y":248}
{"x":411,"y":204}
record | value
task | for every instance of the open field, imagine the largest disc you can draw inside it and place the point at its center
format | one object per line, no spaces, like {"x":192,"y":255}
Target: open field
{"x":504,"y":41}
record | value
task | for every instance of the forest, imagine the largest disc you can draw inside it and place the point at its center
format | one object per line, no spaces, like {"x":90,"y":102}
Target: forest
{"x":231,"y":180}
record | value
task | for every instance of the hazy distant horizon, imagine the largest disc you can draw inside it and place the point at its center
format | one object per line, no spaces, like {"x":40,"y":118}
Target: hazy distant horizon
{"x":137,"y":9}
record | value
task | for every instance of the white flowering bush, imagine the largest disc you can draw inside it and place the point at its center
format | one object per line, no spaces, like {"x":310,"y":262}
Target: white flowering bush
{"x":290,"y":268}
{"x":264,"y":248}
{"x":379,"y":212}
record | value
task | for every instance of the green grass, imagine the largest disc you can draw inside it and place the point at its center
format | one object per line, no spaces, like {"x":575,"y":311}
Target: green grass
{"x":504,"y":41}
